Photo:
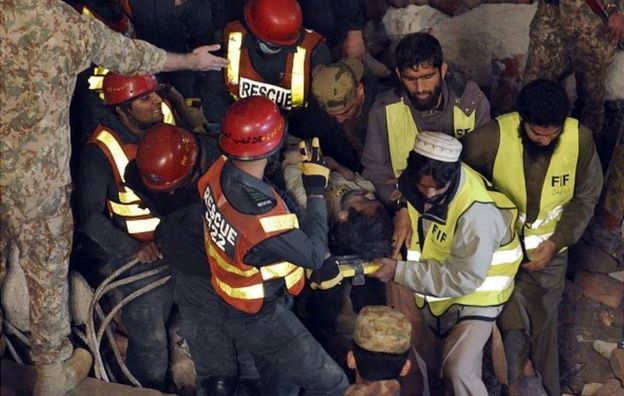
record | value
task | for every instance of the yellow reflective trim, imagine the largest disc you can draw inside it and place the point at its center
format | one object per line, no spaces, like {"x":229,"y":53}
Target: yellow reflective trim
{"x":297,"y":82}
{"x":245,"y":293}
{"x":348,"y":271}
{"x":294,"y":277}
{"x":491,"y":283}
{"x":507,"y":256}
{"x":227,"y":266}
{"x":168,"y":117}
{"x":462,"y":123}
{"x":235,"y":42}
{"x":402,"y":131}
{"x":128,"y":197}
{"x":128,"y":209}
{"x":278,"y":270}
{"x":140,"y":226}
{"x":281,"y":222}
{"x":121,"y":161}
{"x":97,"y":78}
{"x":413,"y":255}
{"x":86,"y":11}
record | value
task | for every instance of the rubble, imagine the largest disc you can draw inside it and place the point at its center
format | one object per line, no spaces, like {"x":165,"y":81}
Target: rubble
{"x":600,"y":288}
{"x":617,"y":363}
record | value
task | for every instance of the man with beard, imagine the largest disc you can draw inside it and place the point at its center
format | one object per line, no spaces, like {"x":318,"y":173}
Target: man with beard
{"x":429,"y":99}
{"x":115,"y":227}
{"x":547,"y":164}
{"x":462,"y":260}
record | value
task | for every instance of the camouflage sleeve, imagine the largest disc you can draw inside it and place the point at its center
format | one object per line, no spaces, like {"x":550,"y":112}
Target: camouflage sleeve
{"x":579,"y":211}
{"x":113,"y":50}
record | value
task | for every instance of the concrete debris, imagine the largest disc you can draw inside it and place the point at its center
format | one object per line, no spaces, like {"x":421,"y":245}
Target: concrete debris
{"x":619,"y":275}
{"x":617,"y":363}
{"x":80,"y":295}
{"x":610,"y":388}
{"x":591,"y":388}
{"x":600,"y":288}
{"x":605,"y":317}
{"x":593,"y":259}
{"x":604,"y":348}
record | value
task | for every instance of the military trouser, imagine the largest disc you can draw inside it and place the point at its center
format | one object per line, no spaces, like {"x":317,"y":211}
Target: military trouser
{"x":529,"y":322}
{"x":280,"y":345}
{"x":40,"y":229}
{"x":562,"y":38}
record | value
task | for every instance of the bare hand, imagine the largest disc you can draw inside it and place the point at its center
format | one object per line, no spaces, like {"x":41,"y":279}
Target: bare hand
{"x":541,"y":256}
{"x":353,"y":46}
{"x":203,"y":60}
{"x":402,"y":231}
{"x":386,"y":271}
{"x":147,"y":252}
{"x":615,"y":23}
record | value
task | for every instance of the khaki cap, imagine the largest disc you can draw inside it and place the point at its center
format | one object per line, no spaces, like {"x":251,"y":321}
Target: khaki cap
{"x":334,"y":86}
{"x":382,"y":329}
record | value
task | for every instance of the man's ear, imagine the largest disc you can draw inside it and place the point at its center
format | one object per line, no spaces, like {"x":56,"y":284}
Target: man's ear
{"x":406,"y":368}
{"x":360,"y":89}
{"x":443,"y":70}
{"x":351,"y":361}
{"x":343,"y":215}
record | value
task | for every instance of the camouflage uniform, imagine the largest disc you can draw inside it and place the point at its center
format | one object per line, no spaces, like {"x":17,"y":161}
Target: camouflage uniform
{"x":44,"y":44}
{"x":572,"y":37}
{"x":380,"y":329}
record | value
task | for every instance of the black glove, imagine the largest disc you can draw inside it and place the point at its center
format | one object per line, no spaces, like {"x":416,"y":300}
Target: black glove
{"x":327,"y":276}
{"x":315,"y":173}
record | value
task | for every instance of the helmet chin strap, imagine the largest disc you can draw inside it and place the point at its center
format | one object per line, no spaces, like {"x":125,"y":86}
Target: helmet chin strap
{"x":266,"y":49}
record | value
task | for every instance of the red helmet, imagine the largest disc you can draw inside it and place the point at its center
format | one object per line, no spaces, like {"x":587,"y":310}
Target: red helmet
{"x":274,"y":21}
{"x":166,"y":155}
{"x":118,"y":89}
{"x":253,"y":128}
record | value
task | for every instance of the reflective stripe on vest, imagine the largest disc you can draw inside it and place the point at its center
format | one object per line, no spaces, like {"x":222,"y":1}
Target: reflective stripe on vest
{"x":559,"y":182}
{"x":137,"y":220}
{"x":297,"y":82}
{"x":239,"y":284}
{"x":402,"y":131}
{"x":498,"y":283}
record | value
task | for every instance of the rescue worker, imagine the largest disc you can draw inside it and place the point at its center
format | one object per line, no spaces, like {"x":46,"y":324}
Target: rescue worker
{"x":547,"y":164}
{"x":270,"y":54}
{"x":342,"y":96}
{"x":462,"y":259}
{"x":115,"y":224}
{"x":428,"y":99}
{"x":168,"y":164}
{"x":381,"y":341}
{"x":257,"y":252}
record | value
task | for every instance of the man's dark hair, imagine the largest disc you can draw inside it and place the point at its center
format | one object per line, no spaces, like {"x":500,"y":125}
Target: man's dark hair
{"x":367,"y":236}
{"x":418,"y":49}
{"x":378,"y":366}
{"x":543,"y":103}
{"x":419,"y":166}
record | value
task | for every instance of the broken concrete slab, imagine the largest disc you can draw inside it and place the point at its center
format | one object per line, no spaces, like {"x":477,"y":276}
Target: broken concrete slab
{"x":600,"y":288}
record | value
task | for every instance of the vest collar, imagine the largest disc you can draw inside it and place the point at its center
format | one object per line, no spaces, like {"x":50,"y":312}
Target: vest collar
{"x":244,"y":192}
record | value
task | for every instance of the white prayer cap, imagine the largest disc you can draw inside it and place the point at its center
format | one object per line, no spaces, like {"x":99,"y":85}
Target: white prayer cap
{"x":438,"y":146}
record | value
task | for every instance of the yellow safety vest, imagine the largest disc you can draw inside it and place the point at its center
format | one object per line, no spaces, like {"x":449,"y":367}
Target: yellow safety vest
{"x":402,"y":131}
{"x":558,"y":188}
{"x":499,"y":282}
{"x":140,"y":223}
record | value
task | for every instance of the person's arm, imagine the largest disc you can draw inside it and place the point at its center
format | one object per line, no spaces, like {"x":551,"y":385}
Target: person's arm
{"x":478,"y":235}
{"x":94,"y":178}
{"x":123,"y":55}
{"x":480,"y":147}
{"x":305,"y":247}
{"x":215,"y":96}
{"x":481,"y":105}
{"x":376,"y":154}
{"x":579,"y":211}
